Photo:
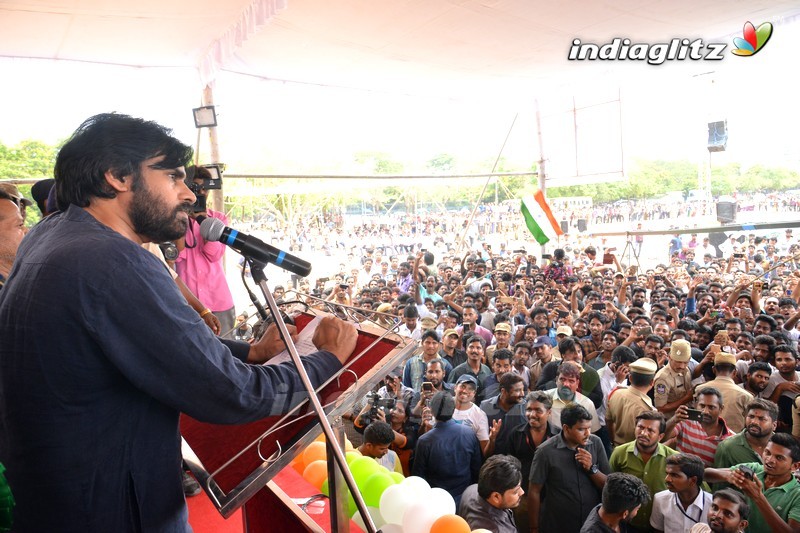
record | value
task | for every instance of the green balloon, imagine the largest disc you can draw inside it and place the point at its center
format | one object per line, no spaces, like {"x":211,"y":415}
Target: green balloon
{"x":351,"y":504}
{"x":397,"y":477}
{"x":362,"y":468}
{"x":352,"y":456}
{"x":324,"y":489}
{"x":374,"y":487}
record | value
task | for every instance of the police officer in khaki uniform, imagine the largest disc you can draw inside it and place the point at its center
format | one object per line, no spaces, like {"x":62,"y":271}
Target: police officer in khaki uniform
{"x":734,"y":398}
{"x":625,"y":404}
{"x":673,"y":383}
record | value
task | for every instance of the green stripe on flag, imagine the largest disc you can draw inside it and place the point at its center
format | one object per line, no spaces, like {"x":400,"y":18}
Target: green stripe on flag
{"x":533,"y":227}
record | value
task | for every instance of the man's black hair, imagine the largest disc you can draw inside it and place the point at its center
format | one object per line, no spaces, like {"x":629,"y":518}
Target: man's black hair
{"x":503,"y":353}
{"x":113,"y":143}
{"x":573,"y":414}
{"x":378,"y":433}
{"x":691,"y":465}
{"x":498,"y":474}
{"x":735,"y":498}
{"x":429,"y":334}
{"x":789,"y":442}
{"x":623,"y":492}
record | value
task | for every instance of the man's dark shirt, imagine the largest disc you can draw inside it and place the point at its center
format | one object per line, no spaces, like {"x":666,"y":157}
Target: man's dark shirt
{"x":511,"y":419}
{"x":458,"y":357}
{"x":99,"y":354}
{"x":522,"y":447}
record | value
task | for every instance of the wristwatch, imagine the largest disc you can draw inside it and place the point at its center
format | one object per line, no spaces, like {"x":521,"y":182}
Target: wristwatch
{"x":593,"y":470}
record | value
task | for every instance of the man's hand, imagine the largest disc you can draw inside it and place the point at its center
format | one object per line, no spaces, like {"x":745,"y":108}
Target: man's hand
{"x":750,"y":487}
{"x":584,"y":458}
{"x":681,"y":413}
{"x":212,"y":322}
{"x":336,"y":336}
{"x":495,"y":429}
{"x":269,"y":345}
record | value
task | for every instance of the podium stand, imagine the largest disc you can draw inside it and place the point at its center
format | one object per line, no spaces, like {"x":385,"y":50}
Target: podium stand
{"x":234,"y":463}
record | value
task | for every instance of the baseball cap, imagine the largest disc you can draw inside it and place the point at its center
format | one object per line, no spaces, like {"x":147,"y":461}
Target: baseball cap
{"x":466,"y":378}
{"x":542,"y":340}
{"x":680,"y":350}
{"x":13,"y":191}
{"x":645,"y":366}
{"x":564,"y":330}
{"x":725,"y":358}
{"x":443,"y":405}
{"x":503,"y":326}
{"x":449,"y":332}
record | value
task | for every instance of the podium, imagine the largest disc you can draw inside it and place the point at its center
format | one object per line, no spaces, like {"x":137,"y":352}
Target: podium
{"x":234,"y":463}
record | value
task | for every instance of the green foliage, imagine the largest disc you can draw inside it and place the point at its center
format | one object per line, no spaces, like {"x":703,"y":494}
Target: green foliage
{"x":27,"y":160}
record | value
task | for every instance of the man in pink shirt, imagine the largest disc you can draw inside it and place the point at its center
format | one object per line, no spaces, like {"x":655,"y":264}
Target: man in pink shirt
{"x":199,"y":263}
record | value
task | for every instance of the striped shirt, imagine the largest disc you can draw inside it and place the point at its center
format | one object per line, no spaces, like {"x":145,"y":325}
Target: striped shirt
{"x":692,"y":438}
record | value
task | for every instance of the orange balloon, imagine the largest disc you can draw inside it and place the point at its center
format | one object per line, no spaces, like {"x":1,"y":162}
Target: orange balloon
{"x":316,"y":473}
{"x":321,"y":438}
{"x":298,"y":464}
{"x":314,"y":452}
{"x":450,"y":523}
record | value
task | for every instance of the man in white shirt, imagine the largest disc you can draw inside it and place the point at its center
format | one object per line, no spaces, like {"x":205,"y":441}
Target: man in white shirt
{"x":467,"y":413}
{"x":684,"y":503}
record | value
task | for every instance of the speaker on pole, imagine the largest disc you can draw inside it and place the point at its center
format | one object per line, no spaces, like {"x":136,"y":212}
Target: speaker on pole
{"x":582,"y":225}
{"x":717,"y":136}
{"x":565,"y":226}
{"x":726,"y":212}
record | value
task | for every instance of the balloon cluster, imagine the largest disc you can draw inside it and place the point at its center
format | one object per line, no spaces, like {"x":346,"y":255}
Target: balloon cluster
{"x":396,"y":504}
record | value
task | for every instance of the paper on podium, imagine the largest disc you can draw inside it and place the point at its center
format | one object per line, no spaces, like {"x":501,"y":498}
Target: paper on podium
{"x":303,"y":343}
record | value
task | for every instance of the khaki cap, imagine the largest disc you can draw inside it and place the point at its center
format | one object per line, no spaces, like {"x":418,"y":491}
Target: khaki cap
{"x":725,"y":358}
{"x":645,"y":366}
{"x":680,"y":350}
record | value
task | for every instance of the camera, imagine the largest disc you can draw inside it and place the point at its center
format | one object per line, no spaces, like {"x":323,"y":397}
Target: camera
{"x":376,"y":402}
{"x":200,"y":203}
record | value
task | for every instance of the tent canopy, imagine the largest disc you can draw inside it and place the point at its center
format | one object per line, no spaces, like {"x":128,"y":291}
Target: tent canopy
{"x":408,"y":46}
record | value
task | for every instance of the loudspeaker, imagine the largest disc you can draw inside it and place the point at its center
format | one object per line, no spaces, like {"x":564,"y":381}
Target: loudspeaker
{"x":726,"y":212}
{"x":717,"y":136}
{"x":716,"y":238}
{"x":582,"y":225}
{"x":565,"y":226}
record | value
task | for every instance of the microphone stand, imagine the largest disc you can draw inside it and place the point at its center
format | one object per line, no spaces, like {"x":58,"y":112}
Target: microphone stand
{"x":257,"y":271}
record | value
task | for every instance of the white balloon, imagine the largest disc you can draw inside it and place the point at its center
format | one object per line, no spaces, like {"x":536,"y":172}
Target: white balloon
{"x":419,"y":517}
{"x":441,"y":502}
{"x":392,"y":528}
{"x":417,"y":485}
{"x":481,"y":531}
{"x":375,"y":513}
{"x":394,"y":502}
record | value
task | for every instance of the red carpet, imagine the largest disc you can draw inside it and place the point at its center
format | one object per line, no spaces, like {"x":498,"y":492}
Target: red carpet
{"x":204,"y":517}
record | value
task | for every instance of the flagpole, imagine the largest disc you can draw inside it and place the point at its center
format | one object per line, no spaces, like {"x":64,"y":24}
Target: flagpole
{"x":542,"y":173}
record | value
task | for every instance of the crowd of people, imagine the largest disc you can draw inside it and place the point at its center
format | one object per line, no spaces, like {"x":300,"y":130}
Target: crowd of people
{"x":631,"y":399}
{"x":575,"y":391}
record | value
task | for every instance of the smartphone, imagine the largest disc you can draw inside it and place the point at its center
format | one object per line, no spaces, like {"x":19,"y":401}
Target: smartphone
{"x":747,"y":471}
{"x":645,"y":331}
{"x":466,"y":327}
{"x":547,"y":256}
{"x":427,"y":386}
{"x":506,"y":300}
{"x":608,"y":259}
{"x":520,"y":251}
{"x":491,"y":294}
{"x":631,"y":279}
{"x":694,"y":414}
{"x":599,"y":307}
{"x":552,"y":292}
{"x":423,"y":250}
{"x":562,"y":313}
{"x":344,"y":286}
{"x":658,"y":278}
{"x":323,"y":280}
{"x":716,"y":314}
{"x":738,"y":256}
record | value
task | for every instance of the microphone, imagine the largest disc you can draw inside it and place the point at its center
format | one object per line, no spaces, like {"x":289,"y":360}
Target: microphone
{"x":213,"y":229}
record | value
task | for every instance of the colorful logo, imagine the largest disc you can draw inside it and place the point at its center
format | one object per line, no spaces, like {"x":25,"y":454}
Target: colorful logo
{"x":754,"y":39}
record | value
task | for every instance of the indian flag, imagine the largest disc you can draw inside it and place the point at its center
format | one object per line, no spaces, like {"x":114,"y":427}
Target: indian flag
{"x":539,"y":219}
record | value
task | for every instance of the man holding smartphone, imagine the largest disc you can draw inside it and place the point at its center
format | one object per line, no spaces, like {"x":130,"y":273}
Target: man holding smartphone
{"x":771,"y":490}
{"x":699,"y":431}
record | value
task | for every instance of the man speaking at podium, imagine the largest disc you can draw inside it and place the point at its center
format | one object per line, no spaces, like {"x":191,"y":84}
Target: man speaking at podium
{"x":99,"y":352}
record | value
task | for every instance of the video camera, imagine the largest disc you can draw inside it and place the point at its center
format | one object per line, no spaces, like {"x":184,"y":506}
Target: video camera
{"x":376,"y":402}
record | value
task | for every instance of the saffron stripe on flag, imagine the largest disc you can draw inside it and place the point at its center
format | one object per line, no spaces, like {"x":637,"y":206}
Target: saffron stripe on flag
{"x":539,"y":218}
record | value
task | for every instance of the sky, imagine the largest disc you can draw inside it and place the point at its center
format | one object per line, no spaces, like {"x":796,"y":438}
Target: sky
{"x":268,"y":127}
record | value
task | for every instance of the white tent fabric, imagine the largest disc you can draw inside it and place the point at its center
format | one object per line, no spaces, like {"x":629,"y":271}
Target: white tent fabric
{"x":448,"y":46}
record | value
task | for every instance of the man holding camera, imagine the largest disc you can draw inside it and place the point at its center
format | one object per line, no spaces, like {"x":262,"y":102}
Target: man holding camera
{"x":200,"y":262}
